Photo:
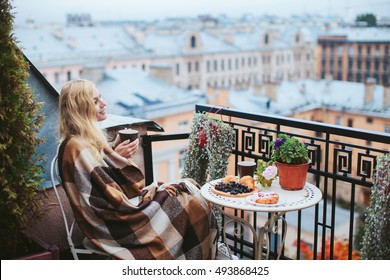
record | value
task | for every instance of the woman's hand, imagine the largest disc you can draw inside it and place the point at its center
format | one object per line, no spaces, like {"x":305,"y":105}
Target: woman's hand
{"x":126,"y":148}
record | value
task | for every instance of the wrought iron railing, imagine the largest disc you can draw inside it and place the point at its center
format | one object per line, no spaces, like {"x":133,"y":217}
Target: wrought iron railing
{"x":343,"y":161}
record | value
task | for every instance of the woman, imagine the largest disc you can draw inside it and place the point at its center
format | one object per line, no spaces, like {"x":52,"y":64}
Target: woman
{"x":107,"y":191}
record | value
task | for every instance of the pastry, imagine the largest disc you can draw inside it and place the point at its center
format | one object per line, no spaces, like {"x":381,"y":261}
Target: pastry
{"x":233,"y":187}
{"x":267,"y":198}
{"x":249,"y":181}
{"x":229,"y":178}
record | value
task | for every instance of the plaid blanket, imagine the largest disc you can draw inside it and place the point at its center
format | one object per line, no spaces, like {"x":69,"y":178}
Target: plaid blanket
{"x":128,"y":220}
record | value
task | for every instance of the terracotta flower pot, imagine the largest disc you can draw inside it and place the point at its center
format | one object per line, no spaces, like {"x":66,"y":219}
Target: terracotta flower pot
{"x":292,"y":177}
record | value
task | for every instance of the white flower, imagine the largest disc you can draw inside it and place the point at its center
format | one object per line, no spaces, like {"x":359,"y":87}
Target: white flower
{"x":270,"y":172}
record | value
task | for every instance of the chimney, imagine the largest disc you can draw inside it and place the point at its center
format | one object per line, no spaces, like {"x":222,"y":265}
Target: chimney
{"x":386,"y":96}
{"x":270,"y":90}
{"x":71,"y":42}
{"x":228,"y":38}
{"x":58,"y":33}
{"x":137,"y":35}
{"x":369,"y":88}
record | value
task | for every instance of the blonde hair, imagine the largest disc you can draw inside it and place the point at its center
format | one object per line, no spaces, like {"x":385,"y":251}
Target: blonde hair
{"x":78,"y":115}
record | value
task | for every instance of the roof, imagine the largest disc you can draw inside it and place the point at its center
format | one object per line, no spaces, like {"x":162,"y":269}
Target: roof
{"x":62,"y":45}
{"x":67,"y":45}
{"x":135,"y":92}
{"x":302,"y":95}
{"x":363,"y":34}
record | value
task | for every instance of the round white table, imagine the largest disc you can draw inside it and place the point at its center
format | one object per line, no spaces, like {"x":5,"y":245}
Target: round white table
{"x":309,"y":196}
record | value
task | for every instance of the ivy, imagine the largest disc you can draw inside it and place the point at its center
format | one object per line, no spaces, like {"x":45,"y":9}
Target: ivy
{"x":376,"y":237}
{"x":210,"y":146}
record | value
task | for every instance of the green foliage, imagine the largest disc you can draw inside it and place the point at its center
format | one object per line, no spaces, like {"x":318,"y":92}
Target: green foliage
{"x":210,"y":146}
{"x":376,"y":237}
{"x":265,"y":172}
{"x":19,"y":121}
{"x":289,"y":150}
{"x":370,"y":19}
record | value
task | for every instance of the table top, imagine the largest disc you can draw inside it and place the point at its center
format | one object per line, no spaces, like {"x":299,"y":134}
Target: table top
{"x":288,"y":200}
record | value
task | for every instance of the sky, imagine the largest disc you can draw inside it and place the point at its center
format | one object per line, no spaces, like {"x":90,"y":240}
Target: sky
{"x":50,"y":11}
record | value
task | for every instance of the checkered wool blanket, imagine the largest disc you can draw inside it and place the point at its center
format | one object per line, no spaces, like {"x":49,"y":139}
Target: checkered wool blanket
{"x":125,"y":218}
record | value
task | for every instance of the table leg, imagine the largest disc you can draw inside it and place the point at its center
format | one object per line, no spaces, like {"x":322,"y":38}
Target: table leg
{"x":261,"y":242}
{"x":237,"y":233}
{"x":271,"y":226}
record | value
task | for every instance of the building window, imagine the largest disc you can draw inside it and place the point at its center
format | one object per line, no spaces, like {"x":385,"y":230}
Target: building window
{"x":340,"y":50}
{"x":350,"y":50}
{"x":182,"y":156}
{"x":222,"y":65}
{"x":69,"y":75}
{"x":377,"y":50}
{"x":230,"y":64}
{"x":370,"y":120}
{"x":177,"y":69}
{"x":387,"y":128}
{"x":208,"y":65}
{"x":337,"y":121}
{"x":143,"y":67}
{"x":215,"y":65}
{"x":197,"y":66}
{"x":350,"y":64}
{"x":193,"y":42}
{"x":350,"y":122}
{"x":56,"y":77}
{"x":297,"y":38}
{"x":266,"y":39}
{"x":189,"y":67}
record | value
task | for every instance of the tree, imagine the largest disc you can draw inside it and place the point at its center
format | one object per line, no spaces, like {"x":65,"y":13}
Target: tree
{"x":20,"y":175}
{"x":370,"y":19}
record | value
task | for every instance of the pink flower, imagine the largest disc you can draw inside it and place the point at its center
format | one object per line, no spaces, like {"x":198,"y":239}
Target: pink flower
{"x":270,"y":172}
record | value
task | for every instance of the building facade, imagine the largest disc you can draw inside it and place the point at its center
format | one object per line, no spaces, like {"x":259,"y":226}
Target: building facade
{"x":355,"y":55}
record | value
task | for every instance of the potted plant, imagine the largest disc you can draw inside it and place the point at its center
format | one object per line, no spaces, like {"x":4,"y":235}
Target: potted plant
{"x":376,"y":238}
{"x":265,"y":173}
{"x":292,"y":160}
{"x":210,"y":146}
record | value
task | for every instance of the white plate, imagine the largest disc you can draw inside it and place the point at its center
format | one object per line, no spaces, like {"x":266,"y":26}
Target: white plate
{"x":252,"y":200}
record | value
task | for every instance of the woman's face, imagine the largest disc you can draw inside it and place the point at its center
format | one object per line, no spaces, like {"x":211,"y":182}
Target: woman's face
{"x":100,"y":106}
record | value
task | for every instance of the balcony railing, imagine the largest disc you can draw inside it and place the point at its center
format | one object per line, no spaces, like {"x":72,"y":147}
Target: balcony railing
{"x":343,"y":162}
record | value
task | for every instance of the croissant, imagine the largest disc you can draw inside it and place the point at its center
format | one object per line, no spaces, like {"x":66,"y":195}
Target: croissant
{"x":229,"y":178}
{"x":267,"y":198}
{"x":249,"y":181}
